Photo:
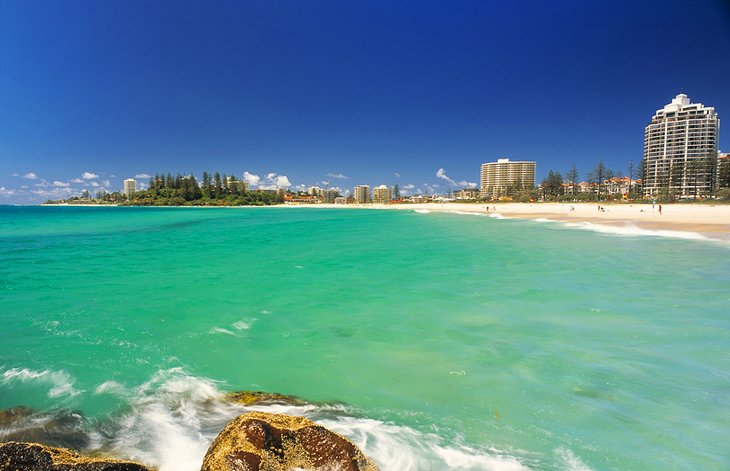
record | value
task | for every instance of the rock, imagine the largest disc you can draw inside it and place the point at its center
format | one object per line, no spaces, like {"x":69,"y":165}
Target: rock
{"x":259,"y":441}
{"x":250,"y":398}
{"x":63,"y":428}
{"x":19,"y":456}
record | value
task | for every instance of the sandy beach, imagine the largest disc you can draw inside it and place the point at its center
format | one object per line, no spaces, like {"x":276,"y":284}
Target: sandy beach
{"x":712,"y":221}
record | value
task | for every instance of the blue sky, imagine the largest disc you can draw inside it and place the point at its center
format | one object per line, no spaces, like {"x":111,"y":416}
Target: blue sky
{"x":349,"y":93}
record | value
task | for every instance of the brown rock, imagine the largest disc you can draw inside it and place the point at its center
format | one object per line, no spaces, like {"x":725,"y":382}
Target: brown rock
{"x":62,"y":428}
{"x":250,"y":398}
{"x":18,"y":456}
{"x":260,"y":441}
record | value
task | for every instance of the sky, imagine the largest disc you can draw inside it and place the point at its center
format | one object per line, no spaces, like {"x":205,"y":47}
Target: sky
{"x":341,"y":93}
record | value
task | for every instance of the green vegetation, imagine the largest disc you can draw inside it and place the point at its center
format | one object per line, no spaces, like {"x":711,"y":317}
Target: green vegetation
{"x":218,"y":190}
{"x":184,"y":190}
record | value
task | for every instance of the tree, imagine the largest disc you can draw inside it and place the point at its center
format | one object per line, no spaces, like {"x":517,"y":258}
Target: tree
{"x":599,"y":174}
{"x":217,"y":185}
{"x":723,"y":172}
{"x":571,"y":176}
{"x":206,"y":189}
{"x":552,"y":185}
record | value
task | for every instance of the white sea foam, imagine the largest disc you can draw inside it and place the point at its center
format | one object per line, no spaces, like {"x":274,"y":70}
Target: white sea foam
{"x":60,"y":383}
{"x":395,"y":447}
{"x":243,"y":324}
{"x":221,"y":330}
{"x":498,"y":216}
{"x":570,"y":462}
{"x":631,"y":230}
{"x":174,"y":417}
{"x":422,"y":211}
{"x":110,"y":387}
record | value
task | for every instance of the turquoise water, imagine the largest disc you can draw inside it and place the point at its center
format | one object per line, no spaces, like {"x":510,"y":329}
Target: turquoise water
{"x":434,"y":341}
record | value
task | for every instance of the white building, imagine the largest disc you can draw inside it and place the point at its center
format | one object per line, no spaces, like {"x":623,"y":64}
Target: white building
{"x":381,"y":194}
{"x":130,"y":186}
{"x":362,"y":194}
{"x":680,"y":149}
{"x":504,"y":176}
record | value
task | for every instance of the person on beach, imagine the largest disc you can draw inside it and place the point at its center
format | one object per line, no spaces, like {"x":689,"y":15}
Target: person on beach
{"x":660,"y":210}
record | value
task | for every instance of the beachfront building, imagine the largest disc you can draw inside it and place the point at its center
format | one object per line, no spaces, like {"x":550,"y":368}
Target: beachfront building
{"x":680,"y":150}
{"x":130,"y":186}
{"x":362,"y":194}
{"x":381,"y":194}
{"x":467,"y":194}
{"x":723,"y":170}
{"x":505,"y":177}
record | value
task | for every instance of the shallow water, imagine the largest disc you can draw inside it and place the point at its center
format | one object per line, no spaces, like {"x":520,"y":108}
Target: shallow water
{"x":434,"y":341}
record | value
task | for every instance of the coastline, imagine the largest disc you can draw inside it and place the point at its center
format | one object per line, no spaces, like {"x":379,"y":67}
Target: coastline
{"x":711,"y":221}
{"x":708,"y":220}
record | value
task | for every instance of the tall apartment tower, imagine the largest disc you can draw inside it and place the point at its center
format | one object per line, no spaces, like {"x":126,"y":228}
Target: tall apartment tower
{"x":680,"y":149}
{"x":381,"y":194}
{"x":362,"y":194}
{"x":503,"y":176}
{"x":130,"y":186}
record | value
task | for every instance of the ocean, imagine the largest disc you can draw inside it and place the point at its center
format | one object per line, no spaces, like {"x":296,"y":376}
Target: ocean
{"x":434,"y":341}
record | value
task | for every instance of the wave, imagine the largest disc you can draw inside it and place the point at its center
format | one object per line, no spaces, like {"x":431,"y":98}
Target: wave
{"x":421,"y":211}
{"x":632,"y":230}
{"x":170,"y":421}
{"x":60,"y":383}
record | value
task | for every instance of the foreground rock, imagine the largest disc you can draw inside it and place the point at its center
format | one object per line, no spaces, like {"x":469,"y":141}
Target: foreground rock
{"x":61,"y":428}
{"x":260,"y":441}
{"x":255,"y":398}
{"x":19,"y":456}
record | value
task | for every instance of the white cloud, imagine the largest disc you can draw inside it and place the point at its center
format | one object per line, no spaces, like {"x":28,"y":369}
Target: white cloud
{"x":54,"y":193}
{"x":143,"y":175}
{"x":30,"y":176}
{"x":301,"y":187}
{"x":282,"y":181}
{"x":43,"y":184}
{"x":6,"y":192}
{"x":106,"y":183}
{"x":272,"y":181}
{"x":465,"y":183}
{"x":251,"y":179}
{"x":337,"y":175}
{"x":58,"y":184}
{"x":95,"y":184}
{"x":89,"y":176}
{"x":409,"y":186}
{"x":429,"y":189}
{"x":396,"y":175}
{"x":441,"y":173}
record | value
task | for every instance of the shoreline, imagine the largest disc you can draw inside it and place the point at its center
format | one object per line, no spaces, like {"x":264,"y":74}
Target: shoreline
{"x":711,"y":221}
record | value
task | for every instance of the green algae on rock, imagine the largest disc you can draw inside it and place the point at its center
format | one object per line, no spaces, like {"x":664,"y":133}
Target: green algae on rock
{"x":250,"y":398}
{"x":259,"y":441}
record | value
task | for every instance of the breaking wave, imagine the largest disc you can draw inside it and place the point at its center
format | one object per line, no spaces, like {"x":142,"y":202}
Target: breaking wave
{"x":169,"y":421}
{"x":59,"y":383}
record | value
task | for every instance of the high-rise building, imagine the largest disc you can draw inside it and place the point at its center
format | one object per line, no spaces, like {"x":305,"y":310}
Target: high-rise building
{"x":362,"y":194}
{"x":381,"y":194}
{"x":130,"y":186}
{"x":723,"y":170}
{"x":680,"y":149}
{"x":503,"y":177}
